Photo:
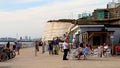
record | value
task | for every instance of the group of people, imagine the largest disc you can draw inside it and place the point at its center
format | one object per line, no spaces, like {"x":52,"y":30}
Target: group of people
{"x":16,"y":46}
{"x":53,"y":47}
{"x":37,"y":44}
{"x":82,"y":49}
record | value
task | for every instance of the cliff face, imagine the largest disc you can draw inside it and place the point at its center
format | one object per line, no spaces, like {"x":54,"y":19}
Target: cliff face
{"x":55,"y":29}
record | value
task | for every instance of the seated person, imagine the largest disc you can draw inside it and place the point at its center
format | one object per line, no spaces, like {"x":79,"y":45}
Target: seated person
{"x":105,"y":49}
{"x":78,"y":51}
{"x":84,"y":52}
{"x":100,"y":50}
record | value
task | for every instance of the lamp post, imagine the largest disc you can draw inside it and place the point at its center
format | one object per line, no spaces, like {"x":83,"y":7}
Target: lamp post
{"x":112,"y":40}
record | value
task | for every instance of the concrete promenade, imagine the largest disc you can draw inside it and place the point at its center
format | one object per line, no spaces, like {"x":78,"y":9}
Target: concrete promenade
{"x":27,"y":60}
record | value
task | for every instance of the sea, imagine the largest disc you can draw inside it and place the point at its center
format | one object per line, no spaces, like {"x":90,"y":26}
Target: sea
{"x":23,"y":43}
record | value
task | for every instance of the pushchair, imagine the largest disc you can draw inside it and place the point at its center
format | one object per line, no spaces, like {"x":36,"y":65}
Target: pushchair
{"x":72,"y":54}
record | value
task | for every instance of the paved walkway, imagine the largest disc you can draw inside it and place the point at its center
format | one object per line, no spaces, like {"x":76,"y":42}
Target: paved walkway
{"x":27,"y":60}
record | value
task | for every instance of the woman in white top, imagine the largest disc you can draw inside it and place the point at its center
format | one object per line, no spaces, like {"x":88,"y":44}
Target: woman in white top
{"x":105,"y":48}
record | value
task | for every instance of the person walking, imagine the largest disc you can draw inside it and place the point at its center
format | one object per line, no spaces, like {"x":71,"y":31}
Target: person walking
{"x":14,"y":46}
{"x":18,"y":47}
{"x":43,"y":46}
{"x":8,"y":45}
{"x":36,"y":47}
{"x":51,"y":48}
{"x":7,"y":49}
{"x":66,"y":49}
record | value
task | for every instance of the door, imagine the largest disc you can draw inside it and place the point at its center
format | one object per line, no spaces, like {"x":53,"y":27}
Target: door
{"x":96,"y":40}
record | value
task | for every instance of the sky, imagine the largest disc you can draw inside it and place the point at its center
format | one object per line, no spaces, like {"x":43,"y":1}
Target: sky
{"x":20,"y":18}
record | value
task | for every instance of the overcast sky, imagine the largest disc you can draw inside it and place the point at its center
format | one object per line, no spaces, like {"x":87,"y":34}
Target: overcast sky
{"x":28,"y":17}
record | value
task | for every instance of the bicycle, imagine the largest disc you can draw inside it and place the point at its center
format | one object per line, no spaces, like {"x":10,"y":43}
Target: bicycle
{"x":3,"y":56}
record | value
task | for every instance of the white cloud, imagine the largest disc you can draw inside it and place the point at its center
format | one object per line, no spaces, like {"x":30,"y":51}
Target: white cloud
{"x":16,"y":2}
{"x":32,"y":20}
{"x":26,"y":1}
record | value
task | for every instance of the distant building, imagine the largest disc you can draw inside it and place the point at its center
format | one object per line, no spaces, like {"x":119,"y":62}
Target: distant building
{"x":7,"y":39}
{"x":29,"y":38}
{"x":26,"y":37}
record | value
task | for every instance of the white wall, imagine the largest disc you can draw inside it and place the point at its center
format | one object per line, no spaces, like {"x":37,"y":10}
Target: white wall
{"x":55,"y":29}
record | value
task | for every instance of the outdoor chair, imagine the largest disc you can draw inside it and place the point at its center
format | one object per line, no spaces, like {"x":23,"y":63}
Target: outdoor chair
{"x":107,"y":53}
{"x":73,"y":54}
{"x":117,"y":50}
{"x":87,"y":54}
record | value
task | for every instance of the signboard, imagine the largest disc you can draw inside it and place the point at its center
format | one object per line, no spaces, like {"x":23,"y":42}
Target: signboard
{"x":112,"y":38}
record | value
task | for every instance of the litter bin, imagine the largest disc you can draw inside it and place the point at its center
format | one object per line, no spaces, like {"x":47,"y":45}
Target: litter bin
{"x":117,"y":50}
